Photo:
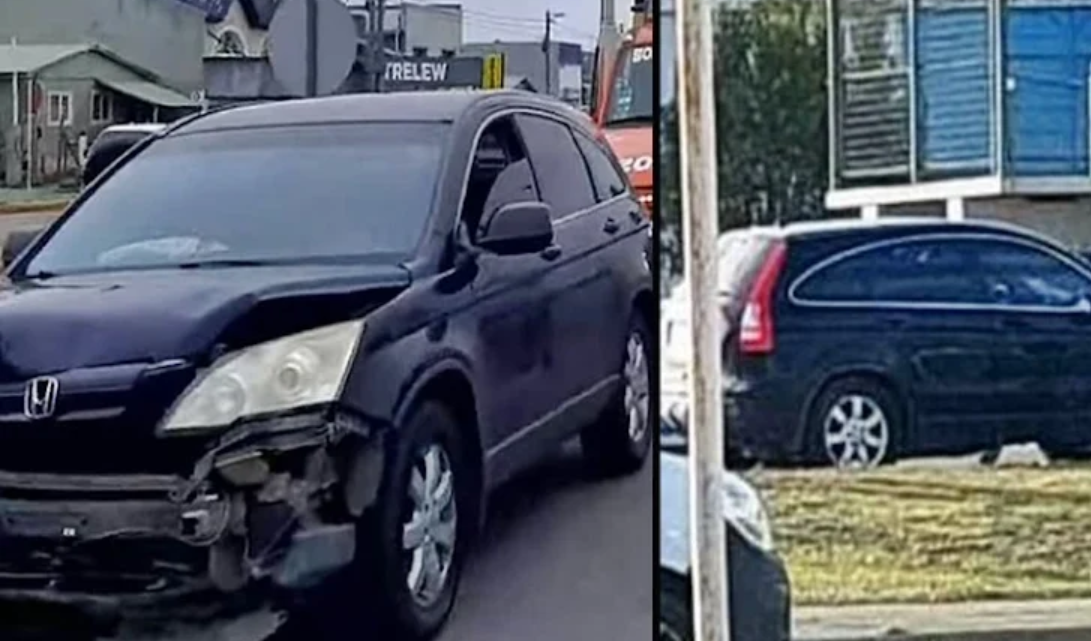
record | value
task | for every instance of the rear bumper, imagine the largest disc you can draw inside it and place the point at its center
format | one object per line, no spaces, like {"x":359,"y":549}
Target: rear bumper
{"x":764,"y":419}
{"x":267,"y":509}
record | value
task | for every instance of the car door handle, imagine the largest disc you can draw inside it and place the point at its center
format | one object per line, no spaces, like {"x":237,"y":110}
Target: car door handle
{"x":611,"y":226}
{"x":553,"y":252}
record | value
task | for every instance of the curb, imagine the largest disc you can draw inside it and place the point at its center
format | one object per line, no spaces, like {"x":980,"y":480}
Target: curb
{"x":34,"y":206}
{"x":1039,"y":634}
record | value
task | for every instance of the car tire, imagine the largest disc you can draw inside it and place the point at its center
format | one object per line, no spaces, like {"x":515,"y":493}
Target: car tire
{"x":855,"y":423}
{"x":675,"y":618}
{"x":618,"y":443}
{"x":411,"y":505}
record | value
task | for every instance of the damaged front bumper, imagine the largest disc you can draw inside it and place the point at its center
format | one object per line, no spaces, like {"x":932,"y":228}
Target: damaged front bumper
{"x":272,"y":504}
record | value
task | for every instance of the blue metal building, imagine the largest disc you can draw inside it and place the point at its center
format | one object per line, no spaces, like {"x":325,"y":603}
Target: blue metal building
{"x":959,"y":102}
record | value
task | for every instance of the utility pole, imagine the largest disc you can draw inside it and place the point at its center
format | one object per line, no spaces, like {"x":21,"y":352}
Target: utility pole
{"x":546,"y":47}
{"x":708,"y":537}
{"x":312,"y":48}
{"x":380,"y":47}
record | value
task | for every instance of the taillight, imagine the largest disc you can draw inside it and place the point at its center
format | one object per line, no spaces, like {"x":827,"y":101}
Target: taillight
{"x":756,"y":326}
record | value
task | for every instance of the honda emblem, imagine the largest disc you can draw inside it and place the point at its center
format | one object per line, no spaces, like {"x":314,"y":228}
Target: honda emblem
{"x":40,"y":397}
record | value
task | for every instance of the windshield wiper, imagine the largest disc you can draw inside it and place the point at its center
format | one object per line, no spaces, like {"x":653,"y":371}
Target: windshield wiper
{"x":225,"y":262}
{"x":39,"y":275}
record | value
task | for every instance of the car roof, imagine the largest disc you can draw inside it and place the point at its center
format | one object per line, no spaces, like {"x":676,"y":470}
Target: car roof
{"x":812,"y":228}
{"x":415,"y":106}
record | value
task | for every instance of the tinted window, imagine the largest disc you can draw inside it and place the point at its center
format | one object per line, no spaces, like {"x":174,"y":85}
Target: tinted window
{"x":284,"y":194}
{"x":562,"y":174}
{"x":1023,"y":275}
{"x":609,"y":181}
{"x":924,"y":271}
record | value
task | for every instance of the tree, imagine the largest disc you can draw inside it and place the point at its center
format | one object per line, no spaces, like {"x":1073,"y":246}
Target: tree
{"x":770,"y":70}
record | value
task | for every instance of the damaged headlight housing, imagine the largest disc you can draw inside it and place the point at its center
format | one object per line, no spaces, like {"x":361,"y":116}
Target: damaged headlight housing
{"x":295,"y":371}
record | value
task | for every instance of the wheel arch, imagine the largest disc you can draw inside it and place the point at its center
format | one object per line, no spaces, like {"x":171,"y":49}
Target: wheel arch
{"x":877,"y":375}
{"x":449,"y":383}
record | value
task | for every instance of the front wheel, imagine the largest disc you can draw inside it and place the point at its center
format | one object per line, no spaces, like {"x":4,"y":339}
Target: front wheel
{"x":855,"y":424}
{"x":416,"y":544}
{"x":619,"y":442}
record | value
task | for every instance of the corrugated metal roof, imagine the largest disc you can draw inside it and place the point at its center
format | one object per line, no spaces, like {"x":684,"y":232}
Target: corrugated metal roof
{"x":150,"y":93}
{"x":28,"y":58}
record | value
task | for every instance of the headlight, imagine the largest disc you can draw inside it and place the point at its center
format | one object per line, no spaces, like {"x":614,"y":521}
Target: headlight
{"x":304,"y":369}
{"x":745,"y":511}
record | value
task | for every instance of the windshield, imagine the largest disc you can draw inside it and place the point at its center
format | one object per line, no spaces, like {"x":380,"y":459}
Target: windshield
{"x":633,"y":95}
{"x":285,"y":194}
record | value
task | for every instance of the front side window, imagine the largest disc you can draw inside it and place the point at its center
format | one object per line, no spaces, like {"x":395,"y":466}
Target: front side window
{"x":558,"y":165}
{"x":632,"y":96}
{"x":1026,"y":276}
{"x":270,"y":195}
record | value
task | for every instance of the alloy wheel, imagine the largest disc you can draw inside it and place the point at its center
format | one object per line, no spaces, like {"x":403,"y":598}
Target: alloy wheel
{"x":637,"y":392}
{"x":429,"y":535}
{"x":856,"y":432}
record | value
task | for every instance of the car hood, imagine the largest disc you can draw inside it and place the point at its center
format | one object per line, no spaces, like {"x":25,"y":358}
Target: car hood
{"x":94,"y":320}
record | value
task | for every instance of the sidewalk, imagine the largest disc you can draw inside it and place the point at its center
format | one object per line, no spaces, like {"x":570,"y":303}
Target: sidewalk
{"x":1061,"y":620}
{"x":48,"y":198}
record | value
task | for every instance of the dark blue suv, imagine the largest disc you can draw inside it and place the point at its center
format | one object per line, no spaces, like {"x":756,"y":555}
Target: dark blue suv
{"x":293,"y":346}
{"x":855,"y":342}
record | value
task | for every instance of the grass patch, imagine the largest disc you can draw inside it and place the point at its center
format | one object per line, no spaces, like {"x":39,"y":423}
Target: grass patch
{"x":920,"y":535}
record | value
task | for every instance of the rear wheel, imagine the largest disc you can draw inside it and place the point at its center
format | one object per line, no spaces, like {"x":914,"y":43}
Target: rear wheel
{"x":619,"y":442}
{"x":855,"y":424}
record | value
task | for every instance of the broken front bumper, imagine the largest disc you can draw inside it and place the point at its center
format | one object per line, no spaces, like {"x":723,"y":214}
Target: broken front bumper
{"x":271,"y":505}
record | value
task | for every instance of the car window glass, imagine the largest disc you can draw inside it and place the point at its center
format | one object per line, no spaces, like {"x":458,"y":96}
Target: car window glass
{"x":558,"y":165}
{"x":923,"y":271}
{"x":609,"y":181}
{"x":500,"y":175}
{"x":293,"y":193}
{"x":1026,"y":276}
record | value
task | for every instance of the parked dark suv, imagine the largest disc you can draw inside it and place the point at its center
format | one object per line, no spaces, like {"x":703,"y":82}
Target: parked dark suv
{"x":860,"y":342}
{"x":295,"y":345}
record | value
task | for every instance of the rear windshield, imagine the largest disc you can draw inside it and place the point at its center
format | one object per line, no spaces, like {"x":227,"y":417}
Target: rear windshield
{"x":740,"y":259}
{"x":286,"y":194}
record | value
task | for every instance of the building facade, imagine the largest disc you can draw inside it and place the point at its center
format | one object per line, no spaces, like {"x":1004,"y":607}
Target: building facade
{"x":166,"y":37}
{"x":559,"y":72}
{"x":964,"y":109}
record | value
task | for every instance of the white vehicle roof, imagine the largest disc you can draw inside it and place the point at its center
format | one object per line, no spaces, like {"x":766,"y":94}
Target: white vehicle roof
{"x":136,"y":127}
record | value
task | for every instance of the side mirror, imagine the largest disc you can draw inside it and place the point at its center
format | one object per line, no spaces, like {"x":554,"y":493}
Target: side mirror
{"x":518,"y":228}
{"x":16,"y":242}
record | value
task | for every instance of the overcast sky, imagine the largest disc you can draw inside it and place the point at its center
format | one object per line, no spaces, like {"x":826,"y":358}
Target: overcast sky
{"x":488,"y":20}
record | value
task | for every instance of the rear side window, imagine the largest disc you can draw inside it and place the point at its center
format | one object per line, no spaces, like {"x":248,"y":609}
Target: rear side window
{"x":563,"y":179}
{"x":609,"y":181}
{"x":920,"y":271}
